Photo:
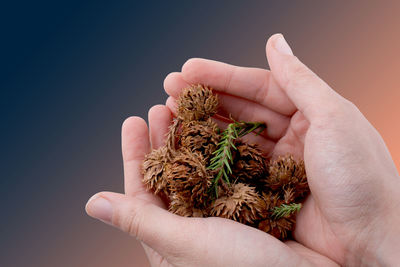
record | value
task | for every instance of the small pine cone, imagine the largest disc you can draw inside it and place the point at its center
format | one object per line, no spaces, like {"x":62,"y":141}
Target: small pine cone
{"x":188,"y":177}
{"x":182,"y":207}
{"x":153,"y":170}
{"x":279,"y":228}
{"x":281,"y":172}
{"x":197,"y":102}
{"x":243,"y":204}
{"x":200,"y":136}
{"x":285,"y":172}
{"x":249,"y":163}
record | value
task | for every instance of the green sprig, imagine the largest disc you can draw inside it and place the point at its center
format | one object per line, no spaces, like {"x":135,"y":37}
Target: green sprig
{"x":222,"y":159}
{"x":285,"y":210}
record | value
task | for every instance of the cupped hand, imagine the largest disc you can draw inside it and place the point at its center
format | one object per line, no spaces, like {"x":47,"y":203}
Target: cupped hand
{"x":351,"y":214}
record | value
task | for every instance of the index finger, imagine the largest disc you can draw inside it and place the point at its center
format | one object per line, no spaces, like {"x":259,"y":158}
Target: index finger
{"x":254,"y":84}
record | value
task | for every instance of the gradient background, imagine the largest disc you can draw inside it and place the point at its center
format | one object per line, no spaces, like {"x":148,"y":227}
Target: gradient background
{"x":71,"y":72}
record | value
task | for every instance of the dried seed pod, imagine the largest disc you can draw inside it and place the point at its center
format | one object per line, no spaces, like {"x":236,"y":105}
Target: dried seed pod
{"x":197,"y":102}
{"x":242,"y":204}
{"x":153,"y":170}
{"x":200,"y":136}
{"x":285,"y":172}
{"x":188,"y":178}
{"x":278,"y":227}
{"x":184,"y":207}
{"x":249,"y":163}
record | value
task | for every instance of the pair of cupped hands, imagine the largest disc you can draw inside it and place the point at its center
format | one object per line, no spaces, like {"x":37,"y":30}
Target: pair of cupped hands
{"x":351,"y":217}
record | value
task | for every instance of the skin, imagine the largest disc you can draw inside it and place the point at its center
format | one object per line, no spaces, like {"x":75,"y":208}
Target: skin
{"x":351,"y":217}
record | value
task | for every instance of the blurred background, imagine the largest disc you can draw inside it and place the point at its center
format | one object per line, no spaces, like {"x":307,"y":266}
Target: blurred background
{"x":72,"y":71}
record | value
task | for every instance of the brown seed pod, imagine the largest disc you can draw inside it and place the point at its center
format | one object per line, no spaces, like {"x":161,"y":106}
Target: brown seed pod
{"x":278,"y":227}
{"x":285,"y":173}
{"x":153,"y":170}
{"x":200,"y":136}
{"x":242,"y":204}
{"x":188,"y":178}
{"x":197,"y":102}
{"x":184,"y":207}
{"x":249,"y":164}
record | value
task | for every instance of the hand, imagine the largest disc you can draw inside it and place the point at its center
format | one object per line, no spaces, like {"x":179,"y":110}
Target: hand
{"x":350,"y":216}
{"x":171,"y":240}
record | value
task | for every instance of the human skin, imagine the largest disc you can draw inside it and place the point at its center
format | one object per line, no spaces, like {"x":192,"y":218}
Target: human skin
{"x":351,"y":216}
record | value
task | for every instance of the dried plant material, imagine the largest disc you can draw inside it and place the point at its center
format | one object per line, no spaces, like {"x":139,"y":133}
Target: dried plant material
{"x":200,"y":136}
{"x":187,"y":177}
{"x":171,"y":138}
{"x":197,"y":103}
{"x":222,"y":160}
{"x":279,"y":227}
{"x":250,"y":165}
{"x":285,"y":172}
{"x":184,"y":207}
{"x":153,"y":170}
{"x":205,"y":171}
{"x":243,"y":204}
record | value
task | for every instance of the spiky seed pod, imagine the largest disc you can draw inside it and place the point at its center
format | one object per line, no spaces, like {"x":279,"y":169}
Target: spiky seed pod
{"x":278,"y":227}
{"x":249,"y":163}
{"x":300,"y":183}
{"x":170,"y":142}
{"x":286,"y":172}
{"x":288,"y":195}
{"x":243,"y":204}
{"x":188,"y":177}
{"x":153,"y":170}
{"x":183,"y":207}
{"x":200,"y":136}
{"x":197,"y":102}
{"x":281,"y":172}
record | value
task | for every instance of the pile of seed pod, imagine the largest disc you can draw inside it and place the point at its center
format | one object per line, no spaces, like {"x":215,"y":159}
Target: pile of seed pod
{"x":259,"y":192}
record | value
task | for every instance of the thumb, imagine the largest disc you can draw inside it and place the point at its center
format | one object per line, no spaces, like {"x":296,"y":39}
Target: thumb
{"x":312,"y":96}
{"x":147,"y":222}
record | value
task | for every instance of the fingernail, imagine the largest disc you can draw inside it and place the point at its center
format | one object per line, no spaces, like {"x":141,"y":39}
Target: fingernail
{"x":282,"y":46}
{"x":99,"y":208}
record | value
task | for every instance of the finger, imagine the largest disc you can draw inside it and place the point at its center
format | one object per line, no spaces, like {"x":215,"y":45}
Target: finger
{"x":265,"y":144}
{"x":149,"y":223}
{"x":312,"y":96}
{"x":239,"y":108}
{"x":159,"y":120}
{"x":135,"y":145}
{"x":253,"y":84}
